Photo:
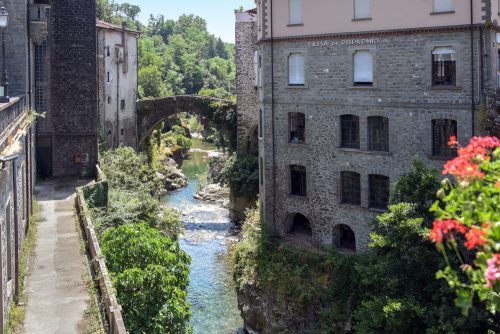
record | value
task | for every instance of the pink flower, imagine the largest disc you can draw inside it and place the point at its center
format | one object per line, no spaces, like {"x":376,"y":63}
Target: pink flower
{"x":492,"y":274}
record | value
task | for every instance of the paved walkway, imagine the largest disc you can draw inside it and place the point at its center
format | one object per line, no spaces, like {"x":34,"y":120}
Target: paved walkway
{"x":57,"y":297}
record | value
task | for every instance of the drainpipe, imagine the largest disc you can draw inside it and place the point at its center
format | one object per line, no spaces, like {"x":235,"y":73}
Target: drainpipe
{"x":28,"y":20}
{"x":117,"y":101}
{"x":273,"y":116}
{"x":13,"y":159}
{"x":473,"y":98}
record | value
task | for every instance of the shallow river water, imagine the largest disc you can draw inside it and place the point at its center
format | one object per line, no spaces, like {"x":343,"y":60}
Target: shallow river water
{"x":206,"y":238}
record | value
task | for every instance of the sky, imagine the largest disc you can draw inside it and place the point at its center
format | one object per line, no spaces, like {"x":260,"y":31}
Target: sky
{"x":219,"y":14}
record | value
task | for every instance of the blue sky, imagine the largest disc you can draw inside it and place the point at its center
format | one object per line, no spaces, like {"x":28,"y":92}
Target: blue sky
{"x":219,"y":14}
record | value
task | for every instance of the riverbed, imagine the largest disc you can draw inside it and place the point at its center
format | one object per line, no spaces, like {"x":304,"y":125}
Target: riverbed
{"x":206,"y":239}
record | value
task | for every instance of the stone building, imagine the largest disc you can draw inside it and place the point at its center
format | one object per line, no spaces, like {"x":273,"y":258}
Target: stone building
{"x":351,"y":92}
{"x":117,"y":60}
{"x":65,"y":70}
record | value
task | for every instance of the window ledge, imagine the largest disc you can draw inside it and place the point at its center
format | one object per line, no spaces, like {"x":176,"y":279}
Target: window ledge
{"x":297,"y":197}
{"x":356,"y":19}
{"x":354,"y":150}
{"x":378,"y":210}
{"x":295,"y":25}
{"x":351,"y":206}
{"x":443,"y":12}
{"x":444,"y":87}
{"x":439,"y":158}
{"x":363,"y":88}
{"x":296,"y":86}
{"x":297,"y":145}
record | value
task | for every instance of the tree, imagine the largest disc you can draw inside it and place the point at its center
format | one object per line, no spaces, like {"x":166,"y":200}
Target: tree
{"x":130,"y":11}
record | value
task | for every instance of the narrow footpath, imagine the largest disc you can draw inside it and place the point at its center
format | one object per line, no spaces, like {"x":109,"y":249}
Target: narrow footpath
{"x":57,"y":296}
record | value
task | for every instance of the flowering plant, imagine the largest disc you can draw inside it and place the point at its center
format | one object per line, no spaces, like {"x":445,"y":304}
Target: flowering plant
{"x":467,"y":228}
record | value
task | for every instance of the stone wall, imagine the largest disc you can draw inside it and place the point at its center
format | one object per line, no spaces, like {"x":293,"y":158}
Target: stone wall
{"x":402,"y":92}
{"x":246,"y":91}
{"x":73,"y":87}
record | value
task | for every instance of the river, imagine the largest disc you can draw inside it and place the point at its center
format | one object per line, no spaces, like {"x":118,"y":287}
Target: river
{"x":206,"y":239}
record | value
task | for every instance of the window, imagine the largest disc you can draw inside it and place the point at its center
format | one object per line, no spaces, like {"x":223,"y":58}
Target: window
{"x":444,"y":67}
{"x":378,"y":133}
{"x":296,"y":11}
{"x":298,"y":180}
{"x":122,"y":132}
{"x":108,"y":53}
{"x":351,"y":188}
{"x":362,"y":9}
{"x":442,"y":130}
{"x":260,"y":123}
{"x":109,"y":77}
{"x":109,"y":99}
{"x":296,"y":76}
{"x":122,"y":104}
{"x":379,"y":191}
{"x":363,"y":68}
{"x":442,"y":6}
{"x":498,"y":67}
{"x":349,"y":131}
{"x":296,"y":126}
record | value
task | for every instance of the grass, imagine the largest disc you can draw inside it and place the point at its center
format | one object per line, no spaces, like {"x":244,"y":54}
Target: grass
{"x":18,"y":312}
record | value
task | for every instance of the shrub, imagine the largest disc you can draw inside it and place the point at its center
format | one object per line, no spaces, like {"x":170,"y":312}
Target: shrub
{"x":241,"y":174}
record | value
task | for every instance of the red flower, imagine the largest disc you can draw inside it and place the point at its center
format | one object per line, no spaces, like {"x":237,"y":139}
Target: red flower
{"x":475,"y":237}
{"x":453,"y":141}
{"x":497,"y":184}
{"x":466,"y":164}
{"x":446,"y":229}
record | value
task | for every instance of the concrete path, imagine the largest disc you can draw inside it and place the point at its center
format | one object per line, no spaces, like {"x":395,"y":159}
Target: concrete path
{"x":57,"y":296}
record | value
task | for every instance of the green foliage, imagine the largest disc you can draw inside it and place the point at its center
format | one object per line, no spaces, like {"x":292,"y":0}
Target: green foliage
{"x":241,"y":174}
{"x":419,"y":186}
{"x":151,"y":275}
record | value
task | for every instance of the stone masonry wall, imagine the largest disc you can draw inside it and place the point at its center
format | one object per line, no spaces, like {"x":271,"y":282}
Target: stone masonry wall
{"x":246,"y":37}
{"x":402,"y":92}
{"x":73,"y":105}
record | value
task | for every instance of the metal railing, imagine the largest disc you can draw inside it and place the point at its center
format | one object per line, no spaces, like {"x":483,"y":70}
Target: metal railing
{"x":10,"y":113}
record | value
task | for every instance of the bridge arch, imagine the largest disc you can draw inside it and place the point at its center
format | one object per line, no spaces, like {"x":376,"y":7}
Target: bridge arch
{"x":151,"y":113}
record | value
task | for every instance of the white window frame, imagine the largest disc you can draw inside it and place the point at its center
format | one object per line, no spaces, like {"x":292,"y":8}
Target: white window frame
{"x":363,"y":78}
{"x":362,"y":9}
{"x":442,"y":6}
{"x":296,"y":78}
{"x":295,"y":12}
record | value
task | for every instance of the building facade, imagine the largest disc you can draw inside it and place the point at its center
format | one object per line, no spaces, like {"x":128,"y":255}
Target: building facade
{"x":117,"y":60}
{"x":65,"y":70}
{"x":351,"y":92}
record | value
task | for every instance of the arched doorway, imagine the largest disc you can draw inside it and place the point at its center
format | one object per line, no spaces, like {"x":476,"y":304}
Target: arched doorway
{"x":344,"y":238}
{"x":299,"y":225}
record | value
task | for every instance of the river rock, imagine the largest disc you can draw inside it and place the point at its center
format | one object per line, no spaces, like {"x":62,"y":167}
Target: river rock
{"x":173,"y":178}
{"x":214,"y":193}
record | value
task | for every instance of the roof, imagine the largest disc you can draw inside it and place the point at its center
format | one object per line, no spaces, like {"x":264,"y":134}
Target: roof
{"x":108,"y":26}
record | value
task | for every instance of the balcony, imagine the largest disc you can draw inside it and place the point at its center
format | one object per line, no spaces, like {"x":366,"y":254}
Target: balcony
{"x":39,"y":18}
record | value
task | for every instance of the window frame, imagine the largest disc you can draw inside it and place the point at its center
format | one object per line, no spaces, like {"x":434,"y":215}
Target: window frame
{"x":451,"y":9}
{"x":442,"y":149}
{"x":356,"y":83}
{"x":356,"y":144}
{"x":350,"y":195}
{"x":440,"y":65}
{"x":384,"y":134}
{"x":294,"y":119}
{"x":358,"y":17}
{"x":289,"y":67}
{"x":376,"y":191}
{"x":301,"y":189}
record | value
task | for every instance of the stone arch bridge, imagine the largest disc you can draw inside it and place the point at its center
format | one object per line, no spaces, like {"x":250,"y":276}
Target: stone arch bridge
{"x":151,"y":113}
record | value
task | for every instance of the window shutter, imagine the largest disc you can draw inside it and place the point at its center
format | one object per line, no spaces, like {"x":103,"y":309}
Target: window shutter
{"x":362,"y":9}
{"x":295,"y":11}
{"x":296,"y":69}
{"x":363,"y":66}
{"x":443,"y":5}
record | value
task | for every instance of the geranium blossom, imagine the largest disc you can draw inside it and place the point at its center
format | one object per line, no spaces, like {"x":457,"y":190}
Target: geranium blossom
{"x":492,"y":274}
{"x":475,"y":237}
{"x":445,"y":229}
{"x":466,"y":164}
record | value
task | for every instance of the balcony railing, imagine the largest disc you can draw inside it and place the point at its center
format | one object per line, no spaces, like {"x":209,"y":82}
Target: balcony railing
{"x":10,"y":113}
{"x":39,"y":13}
{"x":39,"y":18}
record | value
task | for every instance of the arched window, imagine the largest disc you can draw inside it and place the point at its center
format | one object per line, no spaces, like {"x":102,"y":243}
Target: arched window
{"x":442,"y":130}
{"x":344,"y":238}
{"x":351,"y":188}
{"x":300,"y":225}
{"x":296,"y":69}
{"x":296,"y":127}
{"x":444,"y":71}
{"x":363,"y":68}
{"x":298,"y":180}
{"x":378,"y":133}
{"x":349,"y":128}
{"x":379,"y":191}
